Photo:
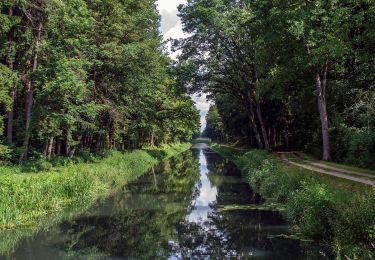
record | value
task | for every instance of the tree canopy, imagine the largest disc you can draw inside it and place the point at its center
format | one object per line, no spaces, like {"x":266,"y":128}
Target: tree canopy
{"x":286,"y":74}
{"x":87,"y":74}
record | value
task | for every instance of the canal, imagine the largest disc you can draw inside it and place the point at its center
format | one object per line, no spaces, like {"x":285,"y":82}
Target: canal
{"x":193,"y":206}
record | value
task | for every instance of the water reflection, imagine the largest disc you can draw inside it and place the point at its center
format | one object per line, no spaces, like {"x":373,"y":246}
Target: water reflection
{"x":173,"y":212}
{"x":207,"y":194}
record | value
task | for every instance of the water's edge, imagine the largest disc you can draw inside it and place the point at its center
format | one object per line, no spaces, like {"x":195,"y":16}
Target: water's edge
{"x":9,"y":239}
{"x":194,"y":205}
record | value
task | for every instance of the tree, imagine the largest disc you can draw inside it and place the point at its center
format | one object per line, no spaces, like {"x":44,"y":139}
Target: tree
{"x":94,"y":76}
{"x":272,"y":59}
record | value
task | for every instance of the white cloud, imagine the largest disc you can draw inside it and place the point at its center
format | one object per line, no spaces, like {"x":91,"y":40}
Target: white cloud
{"x":170,"y":20}
{"x":170,"y":23}
{"x":203,"y":106}
{"x":169,"y":5}
{"x":171,"y":27}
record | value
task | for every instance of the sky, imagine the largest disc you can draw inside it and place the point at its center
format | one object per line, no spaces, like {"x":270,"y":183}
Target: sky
{"x":171,"y":27}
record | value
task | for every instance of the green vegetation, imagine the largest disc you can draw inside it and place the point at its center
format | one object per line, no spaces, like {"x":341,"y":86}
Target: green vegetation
{"x":85,"y":76}
{"x":340,"y":165}
{"x":151,"y":209}
{"x":319,"y":208}
{"x":285,"y":74}
{"x":214,"y":128}
{"x":27,"y":199}
{"x":264,"y":207}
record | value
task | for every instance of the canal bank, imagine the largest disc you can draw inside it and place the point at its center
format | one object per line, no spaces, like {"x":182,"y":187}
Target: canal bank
{"x":194,"y":205}
{"x":336,"y":212}
{"x":32,"y":202}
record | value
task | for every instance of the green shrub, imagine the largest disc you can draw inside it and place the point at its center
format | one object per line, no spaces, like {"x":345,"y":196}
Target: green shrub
{"x":227,"y":151}
{"x":267,"y":177}
{"x":355,"y":226}
{"x":317,"y":207}
{"x":271,"y":174}
{"x":262,"y":178}
{"x":312,"y":211}
{"x":5,"y":153}
{"x":252,"y":160}
{"x":353,"y":145}
{"x":361,"y":148}
{"x":39,"y":165}
{"x":24,"y":198}
{"x":291,"y":181}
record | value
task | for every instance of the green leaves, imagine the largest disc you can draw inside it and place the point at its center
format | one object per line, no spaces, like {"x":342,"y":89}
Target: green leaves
{"x":101,"y":79}
{"x":8,"y":80}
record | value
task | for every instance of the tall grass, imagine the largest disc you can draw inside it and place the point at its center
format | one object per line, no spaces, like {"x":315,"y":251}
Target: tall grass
{"x":26,"y":199}
{"x":315,"y":205}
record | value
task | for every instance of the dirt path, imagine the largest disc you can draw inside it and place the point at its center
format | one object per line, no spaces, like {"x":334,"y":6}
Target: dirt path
{"x":316,"y":166}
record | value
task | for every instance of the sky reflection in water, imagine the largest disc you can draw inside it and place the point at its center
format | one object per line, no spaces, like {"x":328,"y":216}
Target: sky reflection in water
{"x":207,"y":193}
{"x":173,"y":212}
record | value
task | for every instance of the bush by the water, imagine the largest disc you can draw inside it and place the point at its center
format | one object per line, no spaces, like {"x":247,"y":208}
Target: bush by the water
{"x":317,"y":208}
{"x":40,"y":188}
{"x":312,"y":210}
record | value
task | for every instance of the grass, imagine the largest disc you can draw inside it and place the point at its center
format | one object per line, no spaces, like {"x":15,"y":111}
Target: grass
{"x":326,"y":209}
{"x":228,"y":151}
{"x":27,"y":199}
{"x":338,"y":165}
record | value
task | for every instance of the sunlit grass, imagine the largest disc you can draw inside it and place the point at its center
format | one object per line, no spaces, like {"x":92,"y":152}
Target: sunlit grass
{"x":28,"y":199}
{"x":338,"y":165}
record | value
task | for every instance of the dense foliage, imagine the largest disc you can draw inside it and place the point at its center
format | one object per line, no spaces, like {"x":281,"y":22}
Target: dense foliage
{"x":214,"y":128}
{"x":86,"y":75}
{"x":295,"y":74}
{"x":316,"y":206}
{"x":69,"y":186}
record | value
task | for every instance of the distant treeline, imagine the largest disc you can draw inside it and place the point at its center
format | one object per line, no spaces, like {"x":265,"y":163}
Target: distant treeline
{"x":285,"y":73}
{"x":86,"y":75}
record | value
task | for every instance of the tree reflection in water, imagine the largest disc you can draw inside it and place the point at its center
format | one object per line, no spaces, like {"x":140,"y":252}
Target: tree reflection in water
{"x":174,"y":212}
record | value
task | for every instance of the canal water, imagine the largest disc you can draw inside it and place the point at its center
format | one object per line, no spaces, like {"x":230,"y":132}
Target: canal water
{"x":193,"y":206}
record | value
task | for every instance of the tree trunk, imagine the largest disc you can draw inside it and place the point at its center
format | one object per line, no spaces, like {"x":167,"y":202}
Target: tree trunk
{"x":58,"y":147}
{"x":321,"y":85}
{"x":286,"y":136}
{"x":74,"y":149}
{"x":49,"y":148}
{"x":262,"y":125}
{"x":30,"y":95}
{"x":269,"y":134}
{"x":67,"y":148}
{"x":258,"y":109}
{"x":11,"y":118}
{"x":255,"y":127}
{"x":10,"y":115}
{"x":152,"y":141}
{"x":45,"y":148}
{"x":98,"y":143}
{"x":274,"y":137}
{"x":155,"y":179}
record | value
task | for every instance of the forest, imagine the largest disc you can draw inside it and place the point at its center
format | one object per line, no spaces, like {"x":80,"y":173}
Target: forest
{"x":285,"y":75}
{"x":82,"y":76}
{"x":102,"y":148}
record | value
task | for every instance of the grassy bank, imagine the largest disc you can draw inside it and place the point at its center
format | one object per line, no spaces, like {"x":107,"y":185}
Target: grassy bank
{"x":319,"y":207}
{"x":27,"y":199}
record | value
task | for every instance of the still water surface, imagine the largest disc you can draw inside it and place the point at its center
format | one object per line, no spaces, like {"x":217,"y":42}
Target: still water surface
{"x":189,"y":207}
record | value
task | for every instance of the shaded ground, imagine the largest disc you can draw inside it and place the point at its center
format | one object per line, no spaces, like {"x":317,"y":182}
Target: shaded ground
{"x":296,"y":159}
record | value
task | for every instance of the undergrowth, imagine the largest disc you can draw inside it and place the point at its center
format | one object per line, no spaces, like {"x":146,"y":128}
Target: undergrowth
{"x":27,"y":198}
{"x":316,"y":207}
